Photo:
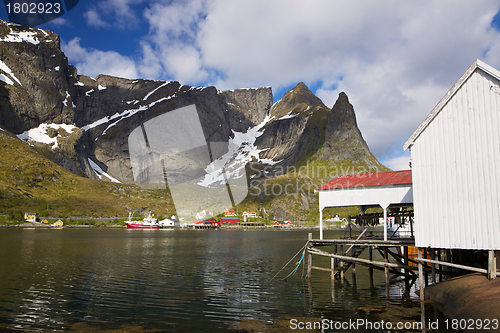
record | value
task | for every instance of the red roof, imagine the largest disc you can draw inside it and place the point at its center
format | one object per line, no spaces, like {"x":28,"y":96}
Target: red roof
{"x":369,"y":179}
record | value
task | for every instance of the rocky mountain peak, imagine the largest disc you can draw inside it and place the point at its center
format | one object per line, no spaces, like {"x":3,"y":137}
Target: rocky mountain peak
{"x":35,"y":78}
{"x":39,"y":87}
{"x":86,"y":124}
{"x":343,"y":139}
{"x":343,"y":115}
{"x":247,"y":107}
{"x":295,"y":101}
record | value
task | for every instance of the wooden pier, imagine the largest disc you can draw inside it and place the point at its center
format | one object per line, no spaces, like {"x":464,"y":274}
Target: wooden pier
{"x":346,"y":253}
{"x":201,"y":226}
{"x":427,"y":265}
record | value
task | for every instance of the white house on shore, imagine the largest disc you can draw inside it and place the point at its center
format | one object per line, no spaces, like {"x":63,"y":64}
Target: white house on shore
{"x":455,"y":155}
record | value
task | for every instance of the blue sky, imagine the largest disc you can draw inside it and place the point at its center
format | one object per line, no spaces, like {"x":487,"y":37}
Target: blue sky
{"x":394,"y":59}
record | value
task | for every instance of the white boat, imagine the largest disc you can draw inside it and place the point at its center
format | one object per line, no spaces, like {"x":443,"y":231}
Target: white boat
{"x":149,"y":222}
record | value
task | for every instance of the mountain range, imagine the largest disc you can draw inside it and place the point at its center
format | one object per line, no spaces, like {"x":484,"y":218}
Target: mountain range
{"x":107,"y":128}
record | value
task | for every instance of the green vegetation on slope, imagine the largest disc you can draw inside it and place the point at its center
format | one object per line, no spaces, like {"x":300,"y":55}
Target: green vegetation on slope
{"x":30,"y":182}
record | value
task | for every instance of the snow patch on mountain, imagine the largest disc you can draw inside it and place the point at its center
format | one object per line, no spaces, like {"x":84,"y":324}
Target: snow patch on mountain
{"x":99,"y":172}
{"x":19,"y":37}
{"x":40,"y":134}
{"x":242,"y":149}
{"x":8,"y":71}
{"x":65,"y":102}
{"x":290,"y":115}
{"x":121,"y":116}
{"x":156,"y":89}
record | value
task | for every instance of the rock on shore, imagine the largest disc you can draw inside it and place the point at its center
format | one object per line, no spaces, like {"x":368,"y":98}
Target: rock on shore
{"x":467,"y":297}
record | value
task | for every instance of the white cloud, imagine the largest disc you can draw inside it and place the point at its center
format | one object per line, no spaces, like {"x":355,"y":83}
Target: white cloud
{"x":394,"y":59}
{"x":114,"y":13}
{"x":94,"y":62}
{"x":93,"y":18}
{"x":58,"y":22}
{"x":172,"y":44}
{"x":176,"y":20}
{"x":184,"y":62}
{"x":150,"y":64}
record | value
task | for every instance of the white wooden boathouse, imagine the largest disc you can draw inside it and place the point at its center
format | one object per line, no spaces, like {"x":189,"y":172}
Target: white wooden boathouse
{"x":455,"y":155}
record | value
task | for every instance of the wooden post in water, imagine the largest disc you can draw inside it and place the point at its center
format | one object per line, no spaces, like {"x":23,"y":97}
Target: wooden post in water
{"x":335,"y":251}
{"x":433,"y":274}
{"x":449,"y":259}
{"x":421,"y":281}
{"x":407,"y":273}
{"x":386,"y":260}
{"x":405,"y":257}
{"x":370,"y":256}
{"x":341,"y":263}
{"x":332,"y":263}
{"x":440,"y":256}
{"x":492,"y":265}
{"x":426,"y":276}
{"x":309,"y":258}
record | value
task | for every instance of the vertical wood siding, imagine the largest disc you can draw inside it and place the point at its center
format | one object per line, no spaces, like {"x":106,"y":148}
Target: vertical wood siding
{"x":456,"y":166}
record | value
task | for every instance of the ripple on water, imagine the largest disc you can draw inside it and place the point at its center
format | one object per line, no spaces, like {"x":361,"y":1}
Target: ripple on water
{"x":176,"y":281}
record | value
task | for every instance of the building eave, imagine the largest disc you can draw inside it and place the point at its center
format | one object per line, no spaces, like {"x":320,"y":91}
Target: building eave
{"x":477,"y":64}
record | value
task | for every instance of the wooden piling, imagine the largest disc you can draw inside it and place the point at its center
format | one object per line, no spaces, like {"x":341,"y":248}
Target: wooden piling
{"x":433,"y":266}
{"x":386,"y":260}
{"x":335,"y":251}
{"x":440,"y":258}
{"x":309,"y":258}
{"x":426,"y":275}
{"x":407,"y":273}
{"x":370,"y":257}
{"x":492,"y":265}
{"x":421,"y":281}
{"x":332,"y":265}
{"x":341,"y":263}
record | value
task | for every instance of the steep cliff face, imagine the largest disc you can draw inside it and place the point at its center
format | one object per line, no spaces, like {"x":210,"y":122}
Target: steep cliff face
{"x":34,"y":80}
{"x":343,"y":139}
{"x":303,"y":129}
{"x":247,"y":107}
{"x":296,"y":128}
{"x":40,"y":92}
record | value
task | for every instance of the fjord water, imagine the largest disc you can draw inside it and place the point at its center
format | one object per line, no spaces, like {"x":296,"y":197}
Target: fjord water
{"x":171,"y":280}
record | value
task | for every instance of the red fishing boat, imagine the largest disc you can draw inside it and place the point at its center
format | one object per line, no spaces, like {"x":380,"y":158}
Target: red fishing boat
{"x":149,"y":222}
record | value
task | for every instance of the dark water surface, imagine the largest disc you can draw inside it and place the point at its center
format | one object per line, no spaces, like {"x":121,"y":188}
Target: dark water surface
{"x":177,"y":281}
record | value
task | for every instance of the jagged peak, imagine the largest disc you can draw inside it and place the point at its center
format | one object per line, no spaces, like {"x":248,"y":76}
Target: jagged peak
{"x":343,"y":111}
{"x":301,"y":91}
{"x":343,"y":96}
{"x":295,"y":101}
{"x":16,"y":33}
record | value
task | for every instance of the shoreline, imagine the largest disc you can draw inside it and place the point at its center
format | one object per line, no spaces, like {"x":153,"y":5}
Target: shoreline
{"x":70,"y":226}
{"x":467,"y":298}
{"x":29,"y":225}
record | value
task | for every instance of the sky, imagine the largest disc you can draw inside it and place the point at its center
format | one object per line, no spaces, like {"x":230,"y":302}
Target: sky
{"x":395,"y":59}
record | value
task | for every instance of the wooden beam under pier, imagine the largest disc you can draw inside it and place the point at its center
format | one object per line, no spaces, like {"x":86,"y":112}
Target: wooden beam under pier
{"x":469,"y":268}
{"x":364,"y":241}
{"x":359,"y":260}
{"x":384,"y":254}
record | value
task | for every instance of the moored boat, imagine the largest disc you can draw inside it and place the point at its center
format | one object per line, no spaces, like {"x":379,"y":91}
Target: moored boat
{"x":149,"y":222}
